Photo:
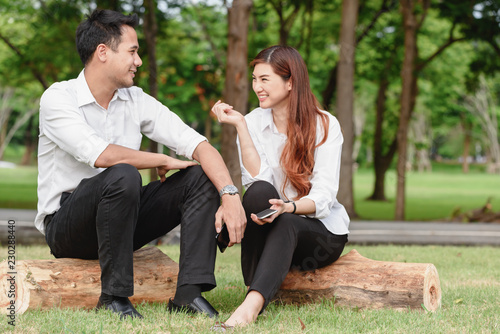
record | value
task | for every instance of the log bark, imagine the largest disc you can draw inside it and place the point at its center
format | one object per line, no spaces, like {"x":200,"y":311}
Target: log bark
{"x":68,"y":283}
{"x":355,"y":281}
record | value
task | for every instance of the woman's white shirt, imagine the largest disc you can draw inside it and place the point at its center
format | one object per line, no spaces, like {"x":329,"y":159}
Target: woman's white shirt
{"x":325,"y":178}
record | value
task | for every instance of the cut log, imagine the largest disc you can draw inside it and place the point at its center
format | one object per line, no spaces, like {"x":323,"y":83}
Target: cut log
{"x":66,"y":283}
{"x":355,"y":281}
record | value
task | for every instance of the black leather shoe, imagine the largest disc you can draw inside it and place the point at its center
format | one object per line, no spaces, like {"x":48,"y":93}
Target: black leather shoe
{"x":120,"y":305}
{"x":198,"y":305}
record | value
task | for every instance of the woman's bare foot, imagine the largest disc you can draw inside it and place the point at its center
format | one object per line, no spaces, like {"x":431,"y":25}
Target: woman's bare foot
{"x":248,"y":311}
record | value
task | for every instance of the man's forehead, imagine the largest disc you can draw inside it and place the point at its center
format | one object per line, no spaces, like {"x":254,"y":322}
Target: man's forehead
{"x":129,"y":38}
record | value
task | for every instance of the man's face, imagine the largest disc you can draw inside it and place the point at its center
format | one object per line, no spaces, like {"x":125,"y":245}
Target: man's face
{"x":123,"y":62}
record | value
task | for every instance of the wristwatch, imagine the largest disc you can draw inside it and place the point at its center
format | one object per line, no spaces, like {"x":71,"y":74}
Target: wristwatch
{"x":229,"y":189}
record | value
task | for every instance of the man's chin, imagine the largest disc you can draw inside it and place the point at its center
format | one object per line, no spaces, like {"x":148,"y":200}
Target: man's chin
{"x":127,"y":84}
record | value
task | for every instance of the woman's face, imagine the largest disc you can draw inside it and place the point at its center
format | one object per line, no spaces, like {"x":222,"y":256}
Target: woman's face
{"x":273,"y":92}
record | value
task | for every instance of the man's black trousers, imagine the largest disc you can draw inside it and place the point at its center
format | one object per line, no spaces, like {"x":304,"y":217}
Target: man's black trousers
{"x":110,"y":215}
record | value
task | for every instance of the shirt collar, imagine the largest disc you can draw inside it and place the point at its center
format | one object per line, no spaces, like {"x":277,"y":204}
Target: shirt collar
{"x":267,"y":122}
{"x":267,"y":119}
{"x":84,"y":95}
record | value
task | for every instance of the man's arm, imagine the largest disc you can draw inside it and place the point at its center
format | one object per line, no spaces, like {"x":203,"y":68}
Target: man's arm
{"x":116,"y":154}
{"x":231,"y":211}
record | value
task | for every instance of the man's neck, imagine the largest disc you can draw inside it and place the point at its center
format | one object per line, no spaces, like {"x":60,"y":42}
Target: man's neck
{"x":99,"y":87}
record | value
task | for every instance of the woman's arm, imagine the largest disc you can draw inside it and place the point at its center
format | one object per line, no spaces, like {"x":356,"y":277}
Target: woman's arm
{"x":249,"y":155}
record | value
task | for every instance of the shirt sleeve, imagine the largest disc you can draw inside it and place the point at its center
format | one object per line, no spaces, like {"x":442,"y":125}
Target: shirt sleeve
{"x":326,"y":172}
{"x":164,"y":126}
{"x":62,"y":123}
{"x":265,"y":171}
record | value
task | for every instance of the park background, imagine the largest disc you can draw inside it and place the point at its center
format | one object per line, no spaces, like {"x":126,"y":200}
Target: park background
{"x":413,"y":83}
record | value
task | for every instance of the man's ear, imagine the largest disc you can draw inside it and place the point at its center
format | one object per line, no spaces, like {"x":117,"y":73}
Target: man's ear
{"x":101,"y":52}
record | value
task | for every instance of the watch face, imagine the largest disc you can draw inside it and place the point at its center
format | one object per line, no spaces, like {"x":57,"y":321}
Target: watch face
{"x":229,"y":189}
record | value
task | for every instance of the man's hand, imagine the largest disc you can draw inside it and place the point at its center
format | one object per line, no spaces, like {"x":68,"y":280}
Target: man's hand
{"x":231,"y":212}
{"x":172,"y":163}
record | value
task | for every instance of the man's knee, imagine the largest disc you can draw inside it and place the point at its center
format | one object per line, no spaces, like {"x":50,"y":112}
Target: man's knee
{"x":196,"y":177}
{"x":125,"y":177}
{"x":125,"y":171}
{"x":196,"y":172}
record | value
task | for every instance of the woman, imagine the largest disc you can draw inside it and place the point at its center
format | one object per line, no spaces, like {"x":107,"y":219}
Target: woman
{"x":290,"y":161}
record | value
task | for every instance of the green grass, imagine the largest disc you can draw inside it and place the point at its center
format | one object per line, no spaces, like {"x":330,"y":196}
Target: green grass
{"x":18,"y":187}
{"x":470,"y":284}
{"x":429,"y":196}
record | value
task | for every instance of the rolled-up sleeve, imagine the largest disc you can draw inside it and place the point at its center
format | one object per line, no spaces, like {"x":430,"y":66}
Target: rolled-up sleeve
{"x":62,"y":123}
{"x":325,"y":178}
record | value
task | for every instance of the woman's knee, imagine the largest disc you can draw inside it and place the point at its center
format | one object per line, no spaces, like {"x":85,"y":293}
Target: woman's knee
{"x":257,"y":196}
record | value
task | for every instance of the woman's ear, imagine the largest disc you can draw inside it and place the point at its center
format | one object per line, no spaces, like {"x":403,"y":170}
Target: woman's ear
{"x":289,"y":84}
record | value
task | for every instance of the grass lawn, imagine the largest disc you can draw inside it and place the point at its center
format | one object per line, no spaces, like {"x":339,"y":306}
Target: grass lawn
{"x":470,"y":284}
{"x":429,"y":196}
{"x":18,"y":187}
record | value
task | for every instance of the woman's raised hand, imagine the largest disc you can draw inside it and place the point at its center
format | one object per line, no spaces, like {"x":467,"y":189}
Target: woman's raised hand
{"x":226,"y":114}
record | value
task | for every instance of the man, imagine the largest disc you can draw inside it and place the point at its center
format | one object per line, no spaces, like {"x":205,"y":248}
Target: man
{"x":91,"y":200}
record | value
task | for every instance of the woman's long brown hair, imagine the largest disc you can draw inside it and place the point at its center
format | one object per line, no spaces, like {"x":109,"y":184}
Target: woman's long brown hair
{"x":297,"y":158}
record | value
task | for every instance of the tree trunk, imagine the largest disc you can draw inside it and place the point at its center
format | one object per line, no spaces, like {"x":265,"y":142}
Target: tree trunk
{"x":466,"y":126}
{"x":66,"y":283}
{"x":381,"y":162}
{"x":329,"y":92}
{"x":408,"y":83}
{"x":355,"y":281}
{"x":236,"y":86}
{"x":345,"y":101}
{"x":29,"y":144}
{"x":420,"y":129}
{"x":5,"y":112}
{"x":150,"y":32}
{"x":482,"y":106}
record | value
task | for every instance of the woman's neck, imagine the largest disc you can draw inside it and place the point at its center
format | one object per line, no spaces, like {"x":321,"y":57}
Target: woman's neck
{"x":280,"y":119}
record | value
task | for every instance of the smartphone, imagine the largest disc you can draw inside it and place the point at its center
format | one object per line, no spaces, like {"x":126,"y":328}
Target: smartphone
{"x":222,"y":238}
{"x":266,"y":213}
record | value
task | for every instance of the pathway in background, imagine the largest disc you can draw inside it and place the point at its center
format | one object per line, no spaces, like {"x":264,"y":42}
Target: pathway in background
{"x":362,"y":232}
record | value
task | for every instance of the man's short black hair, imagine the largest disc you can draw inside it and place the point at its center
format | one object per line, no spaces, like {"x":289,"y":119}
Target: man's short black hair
{"x":103,"y":26}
